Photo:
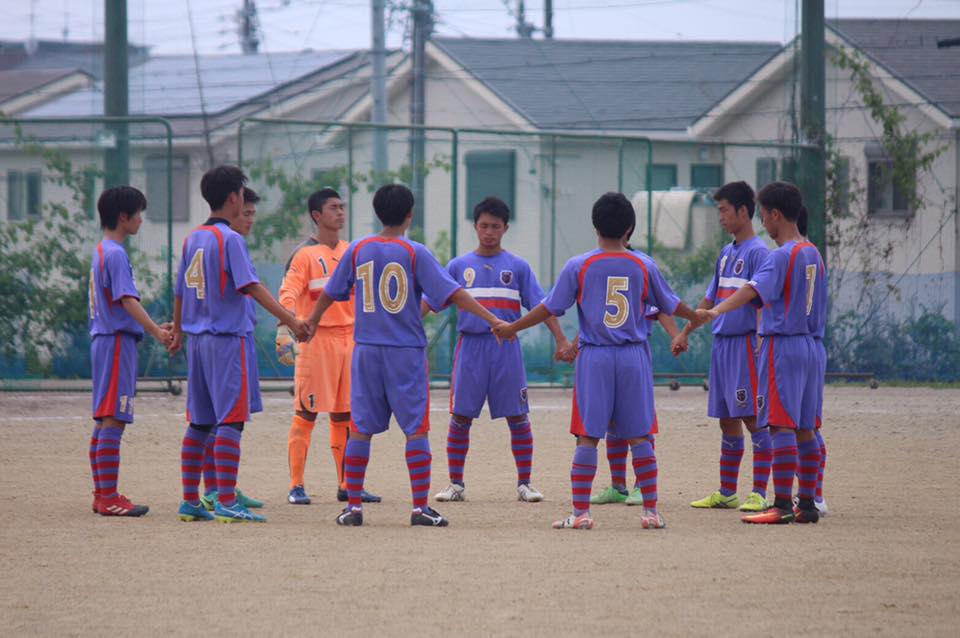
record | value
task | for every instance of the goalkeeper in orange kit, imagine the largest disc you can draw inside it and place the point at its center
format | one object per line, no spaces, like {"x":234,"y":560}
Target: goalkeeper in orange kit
{"x":322,"y":376}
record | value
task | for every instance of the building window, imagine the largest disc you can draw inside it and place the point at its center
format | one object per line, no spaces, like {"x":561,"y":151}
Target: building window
{"x":706,"y":176}
{"x":663,"y":177}
{"x":886,"y":196}
{"x":156,"y":169}
{"x":23,"y":194}
{"x":766,"y":171}
{"x":491,"y":173}
{"x":789,"y":171}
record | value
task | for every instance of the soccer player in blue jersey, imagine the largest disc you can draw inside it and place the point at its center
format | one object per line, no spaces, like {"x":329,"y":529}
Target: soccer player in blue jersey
{"x":613,"y":289}
{"x":484,"y":370}
{"x":389,"y":369}
{"x":791,"y":287}
{"x":211,"y":306}
{"x":733,"y":367}
{"x":117,"y":324}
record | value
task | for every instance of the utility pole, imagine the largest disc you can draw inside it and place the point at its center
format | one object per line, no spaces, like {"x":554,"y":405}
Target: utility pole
{"x":524,"y":29}
{"x":115,"y":92}
{"x":378,"y":87}
{"x":422,"y":12}
{"x":813,"y":120}
{"x":548,"y":19}
{"x":249,"y":28}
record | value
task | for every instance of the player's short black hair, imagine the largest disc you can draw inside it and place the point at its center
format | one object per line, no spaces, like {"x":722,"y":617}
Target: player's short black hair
{"x":118,"y":200}
{"x":319,"y":198}
{"x":613,"y":215}
{"x":738,"y":194}
{"x":217,"y":184}
{"x":392,"y":203}
{"x":250,"y":196}
{"x":492,"y":206}
{"x":802,"y":220}
{"x":783,"y":196}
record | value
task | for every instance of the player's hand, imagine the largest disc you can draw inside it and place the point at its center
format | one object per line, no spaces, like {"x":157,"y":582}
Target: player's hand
{"x":706,"y":316}
{"x":286,"y":346}
{"x":302,"y":330}
{"x":176,"y":342}
{"x":566,"y":352}
{"x":163,"y":334}
{"x":679,"y":344}
{"x":503,"y":331}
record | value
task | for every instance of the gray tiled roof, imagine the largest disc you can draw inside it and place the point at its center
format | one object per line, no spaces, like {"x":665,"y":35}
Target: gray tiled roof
{"x":52,"y":54}
{"x":170,"y":85}
{"x":611,"y":85}
{"x":908,"y":49}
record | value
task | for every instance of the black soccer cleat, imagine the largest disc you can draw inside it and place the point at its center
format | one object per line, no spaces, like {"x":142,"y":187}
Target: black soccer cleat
{"x":428,"y":517}
{"x":365,"y":496}
{"x":350,"y":517}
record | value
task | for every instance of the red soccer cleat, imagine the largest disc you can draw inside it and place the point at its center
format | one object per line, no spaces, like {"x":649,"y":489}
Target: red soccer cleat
{"x":120,"y":505}
{"x":772,"y":516}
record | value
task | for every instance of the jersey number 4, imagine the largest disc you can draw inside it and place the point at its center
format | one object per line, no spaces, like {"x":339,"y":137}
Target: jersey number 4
{"x":392,"y":303}
{"x":616,"y":286}
{"x":194,"y":277}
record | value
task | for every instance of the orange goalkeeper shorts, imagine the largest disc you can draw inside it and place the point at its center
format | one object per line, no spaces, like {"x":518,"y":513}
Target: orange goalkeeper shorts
{"x":322,"y":373}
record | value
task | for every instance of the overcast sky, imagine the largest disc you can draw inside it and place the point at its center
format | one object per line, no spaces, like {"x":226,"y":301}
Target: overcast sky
{"x":292,"y":25}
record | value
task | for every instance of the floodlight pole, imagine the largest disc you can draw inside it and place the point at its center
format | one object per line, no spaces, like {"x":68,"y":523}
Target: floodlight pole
{"x":116,"y":92}
{"x":813,"y":120}
{"x":378,"y":87}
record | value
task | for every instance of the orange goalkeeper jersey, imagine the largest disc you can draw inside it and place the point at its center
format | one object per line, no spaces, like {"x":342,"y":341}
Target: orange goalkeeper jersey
{"x":306,"y":274}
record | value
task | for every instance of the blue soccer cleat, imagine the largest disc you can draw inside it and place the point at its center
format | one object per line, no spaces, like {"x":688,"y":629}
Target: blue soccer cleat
{"x":236,"y":513}
{"x":298,"y":496}
{"x":189,"y":513}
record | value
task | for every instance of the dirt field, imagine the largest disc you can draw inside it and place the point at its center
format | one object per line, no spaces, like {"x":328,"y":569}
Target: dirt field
{"x":886,"y":561}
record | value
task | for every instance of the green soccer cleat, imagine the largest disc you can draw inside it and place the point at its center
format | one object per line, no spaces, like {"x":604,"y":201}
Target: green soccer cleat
{"x":249,"y":501}
{"x":607,"y":496}
{"x":755,"y":503}
{"x":718,"y":501}
{"x":635,"y":498}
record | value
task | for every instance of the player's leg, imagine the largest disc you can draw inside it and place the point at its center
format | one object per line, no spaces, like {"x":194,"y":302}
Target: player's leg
{"x":113,"y":406}
{"x":201,"y":422}
{"x":256,"y":405}
{"x":408,"y":394}
{"x":762,"y":462}
{"x":94,"y":438}
{"x":617,"y":451}
{"x":822,"y":364}
{"x":779,"y":399}
{"x":521,"y":446}
{"x":808,"y":447}
{"x":371,"y":415}
{"x":469,"y":380}
{"x":298,"y":446}
{"x":594,"y":395}
{"x":820,"y":502}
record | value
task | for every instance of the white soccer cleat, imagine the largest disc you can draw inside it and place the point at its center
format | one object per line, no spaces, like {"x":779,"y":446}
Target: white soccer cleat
{"x":453,"y":493}
{"x":528,"y":494}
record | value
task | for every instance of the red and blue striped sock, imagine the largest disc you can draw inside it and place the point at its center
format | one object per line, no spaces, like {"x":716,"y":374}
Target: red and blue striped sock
{"x":94,"y":439}
{"x":784,"y":467}
{"x":226,"y":456}
{"x":582,"y":472}
{"x":823,"y":466}
{"x":418,"y":466}
{"x":731,"y":453}
{"x":108,"y":460}
{"x":762,"y":460}
{"x":617,"y":450}
{"x":191,"y":462}
{"x":809,"y":465}
{"x":645,"y":471}
{"x":355,"y":459}
{"x":458,"y":444}
{"x":209,"y":467}
{"x":521,"y":444}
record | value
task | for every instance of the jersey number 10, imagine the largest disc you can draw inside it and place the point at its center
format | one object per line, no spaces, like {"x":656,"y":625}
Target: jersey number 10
{"x":392,"y":303}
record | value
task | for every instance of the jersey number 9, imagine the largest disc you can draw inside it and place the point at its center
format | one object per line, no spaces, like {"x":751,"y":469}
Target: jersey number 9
{"x":616,"y":286}
{"x":392,"y":303}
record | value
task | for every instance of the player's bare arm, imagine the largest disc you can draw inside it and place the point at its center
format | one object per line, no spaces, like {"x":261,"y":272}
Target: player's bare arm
{"x":563,"y":344}
{"x":741,"y":298}
{"x":324,"y":301}
{"x":679,"y":342}
{"x":462,"y":300}
{"x":177,"y":340}
{"x":263,"y":297}
{"x":135,"y":309}
{"x":536,"y":316}
{"x":424,"y":309}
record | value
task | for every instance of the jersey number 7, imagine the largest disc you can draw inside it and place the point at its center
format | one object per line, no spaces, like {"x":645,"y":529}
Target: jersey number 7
{"x":392,"y":303}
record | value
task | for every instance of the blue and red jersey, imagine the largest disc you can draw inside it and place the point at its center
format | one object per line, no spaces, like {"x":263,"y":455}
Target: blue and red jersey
{"x":735,"y":267}
{"x":614,"y":293}
{"x":391,"y":275}
{"x":792,"y":288}
{"x":214,"y":270}
{"x":501,"y":283}
{"x":111,"y":279}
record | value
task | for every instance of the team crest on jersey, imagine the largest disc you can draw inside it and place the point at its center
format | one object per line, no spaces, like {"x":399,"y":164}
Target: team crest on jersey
{"x":523,"y":395}
{"x":738,"y":267}
{"x":741,"y":397}
{"x":760,"y":401}
{"x":723,"y":263}
{"x":506,"y":277}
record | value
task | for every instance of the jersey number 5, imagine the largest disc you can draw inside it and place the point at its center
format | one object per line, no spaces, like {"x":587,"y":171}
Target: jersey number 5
{"x":195,"y":278}
{"x":616,"y":286}
{"x":392,"y":303}
{"x":811,"y":272}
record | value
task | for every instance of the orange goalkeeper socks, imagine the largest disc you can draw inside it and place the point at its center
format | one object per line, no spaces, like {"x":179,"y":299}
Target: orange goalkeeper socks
{"x":298,"y":444}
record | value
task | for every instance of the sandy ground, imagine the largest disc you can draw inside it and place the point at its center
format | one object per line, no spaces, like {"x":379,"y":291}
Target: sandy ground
{"x":886,"y":561}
